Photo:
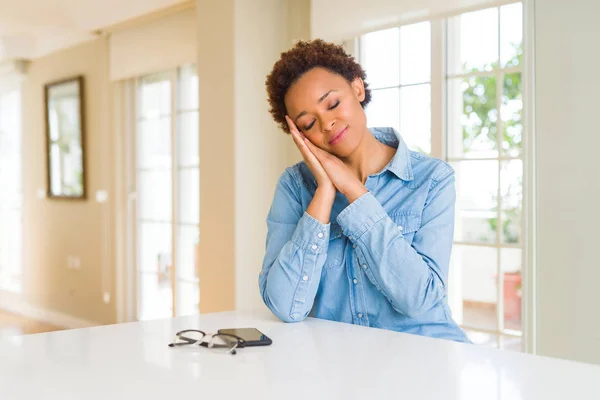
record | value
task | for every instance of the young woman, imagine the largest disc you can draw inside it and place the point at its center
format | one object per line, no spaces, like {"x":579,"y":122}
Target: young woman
{"x":361,"y":231}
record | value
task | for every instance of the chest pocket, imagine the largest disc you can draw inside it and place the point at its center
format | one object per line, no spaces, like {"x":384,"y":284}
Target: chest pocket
{"x":336,"y":249}
{"x":408,"y":223}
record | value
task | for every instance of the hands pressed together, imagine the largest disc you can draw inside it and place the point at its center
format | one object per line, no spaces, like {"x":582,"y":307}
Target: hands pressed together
{"x":329,"y":171}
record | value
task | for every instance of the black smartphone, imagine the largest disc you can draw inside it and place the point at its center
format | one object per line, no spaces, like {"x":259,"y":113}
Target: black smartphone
{"x":251,"y":336}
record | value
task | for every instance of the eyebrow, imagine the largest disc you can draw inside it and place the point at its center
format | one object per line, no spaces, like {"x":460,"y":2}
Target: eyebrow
{"x":320,"y":101}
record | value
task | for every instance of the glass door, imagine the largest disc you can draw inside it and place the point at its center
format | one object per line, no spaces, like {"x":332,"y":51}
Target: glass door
{"x":167,"y":171}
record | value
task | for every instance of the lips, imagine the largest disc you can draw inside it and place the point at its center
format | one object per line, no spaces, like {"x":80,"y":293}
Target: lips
{"x":339,"y":135}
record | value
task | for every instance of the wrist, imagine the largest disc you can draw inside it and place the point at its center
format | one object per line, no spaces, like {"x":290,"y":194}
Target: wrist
{"x":327,"y":192}
{"x":354,"y":192}
{"x":320,"y":206}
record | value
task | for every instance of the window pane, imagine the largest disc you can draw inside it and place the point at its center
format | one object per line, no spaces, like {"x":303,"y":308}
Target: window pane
{"x":154,"y":143}
{"x":510,"y":261}
{"x":415,"y":53}
{"x":384,"y":109}
{"x":155,"y":198}
{"x":511,"y":34}
{"x":472,"y":117}
{"x":56,"y":165}
{"x":187,"y":252}
{"x":155,"y":297}
{"x":189,"y":196}
{"x":478,"y":268}
{"x":473,"y":41}
{"x":512,"y":115}
{"x":477,"y":201}
{"x":511,"y":190}
{"x":188,"y":139}
{"x":155,"y":247}
{"x":155,"y":96}
{"x":415,"y":117}
{"x":188,"y":88}
{"x":188,"y":298}
{"x":379,"y":56}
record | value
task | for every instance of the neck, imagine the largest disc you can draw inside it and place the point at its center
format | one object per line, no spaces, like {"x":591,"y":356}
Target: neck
{"x":370,"y":157}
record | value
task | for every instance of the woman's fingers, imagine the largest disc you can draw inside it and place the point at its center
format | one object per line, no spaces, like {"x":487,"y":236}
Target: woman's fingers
{"x":291,"y":125}
{"x":299,"y":139}
{"x":294,"y":132}
{"x":321,"y":154}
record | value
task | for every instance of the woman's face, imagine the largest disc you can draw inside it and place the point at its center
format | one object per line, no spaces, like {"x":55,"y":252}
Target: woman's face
{"x":326,"y":108}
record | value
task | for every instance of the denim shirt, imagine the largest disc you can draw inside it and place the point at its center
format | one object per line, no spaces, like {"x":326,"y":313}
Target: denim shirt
{"x":382,"y":261}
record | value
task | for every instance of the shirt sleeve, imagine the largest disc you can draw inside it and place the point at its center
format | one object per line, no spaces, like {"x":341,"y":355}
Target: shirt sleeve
{"x":412,"y":277}
{"x":296,"y":249}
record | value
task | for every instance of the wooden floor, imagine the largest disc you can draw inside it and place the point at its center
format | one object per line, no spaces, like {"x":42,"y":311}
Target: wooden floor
{"x":15,"y":325}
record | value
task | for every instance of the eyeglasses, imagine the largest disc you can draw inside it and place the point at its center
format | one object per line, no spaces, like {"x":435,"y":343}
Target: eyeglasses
{"x":220,"y":342}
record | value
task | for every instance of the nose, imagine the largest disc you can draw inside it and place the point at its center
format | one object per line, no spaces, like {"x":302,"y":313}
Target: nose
{"x":328,"y":125}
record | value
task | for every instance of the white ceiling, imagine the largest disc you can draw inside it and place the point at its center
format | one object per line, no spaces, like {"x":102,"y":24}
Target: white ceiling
{"x":33,"y":28}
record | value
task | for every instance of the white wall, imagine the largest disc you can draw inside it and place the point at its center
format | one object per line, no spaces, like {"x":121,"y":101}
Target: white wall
{"x":157,"y":45}
{"x":567,"y":57}
{"x":338,"y":20}
{"x":242,"y":153}
{"x":261,"y":156}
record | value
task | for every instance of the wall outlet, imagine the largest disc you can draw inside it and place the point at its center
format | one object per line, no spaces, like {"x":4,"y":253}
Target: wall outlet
{"x":101,"y":196}
{"x":106,"y":297}
{"x":73,"y":262}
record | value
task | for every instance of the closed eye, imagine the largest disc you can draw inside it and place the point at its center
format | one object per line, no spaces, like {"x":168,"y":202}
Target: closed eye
{"x":309,"y":126}
{"x":306,"y":128}
{"x":337,"y":103}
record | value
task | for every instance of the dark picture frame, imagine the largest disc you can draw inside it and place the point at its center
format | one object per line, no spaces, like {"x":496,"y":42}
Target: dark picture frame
{"x":65,"y":138}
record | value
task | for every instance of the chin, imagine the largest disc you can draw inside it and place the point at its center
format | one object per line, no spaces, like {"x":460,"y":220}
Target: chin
{"x":346,"y":148}
{"x":343,"y":151}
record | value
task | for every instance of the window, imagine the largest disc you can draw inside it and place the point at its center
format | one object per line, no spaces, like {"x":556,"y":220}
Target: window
{"x":10,"y":184}
{"x":168,"y":193}
{"x":398,"y":66}
{"x":482,"y":120}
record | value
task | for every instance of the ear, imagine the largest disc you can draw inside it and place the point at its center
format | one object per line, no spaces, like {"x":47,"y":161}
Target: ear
{"x":358,"y":86}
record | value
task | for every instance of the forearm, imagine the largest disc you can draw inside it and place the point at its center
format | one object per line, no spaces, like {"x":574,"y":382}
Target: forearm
{"x":320,"y":206}
{"x":410,"y":279}
{"x":405,"y":277}
{"x":290,"y":276}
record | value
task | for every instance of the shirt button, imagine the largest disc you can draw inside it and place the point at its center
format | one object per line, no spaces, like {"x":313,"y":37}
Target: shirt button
{"x":400,"y":228}
{"x":353,"y":246}
{"x":320,"y":235}
{"x":305,"y":278}
{"x":314,"y":247}
{"x":364,"y":266}
{"x":355,"y":281}
{"x":359,"y":315}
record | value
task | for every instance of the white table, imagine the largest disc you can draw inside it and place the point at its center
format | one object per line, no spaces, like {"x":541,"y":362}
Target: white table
{"x":314,"y":359}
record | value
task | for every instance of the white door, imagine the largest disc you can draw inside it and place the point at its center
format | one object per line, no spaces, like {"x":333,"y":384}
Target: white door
{"x":167,"y":185}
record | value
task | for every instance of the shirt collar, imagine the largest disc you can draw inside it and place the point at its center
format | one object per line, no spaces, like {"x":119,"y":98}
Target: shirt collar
{"x":400,"y":164}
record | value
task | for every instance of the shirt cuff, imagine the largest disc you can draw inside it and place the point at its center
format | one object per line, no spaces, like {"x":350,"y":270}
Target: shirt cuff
{"x":311,"y":235}
{"x":360,"y":216}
